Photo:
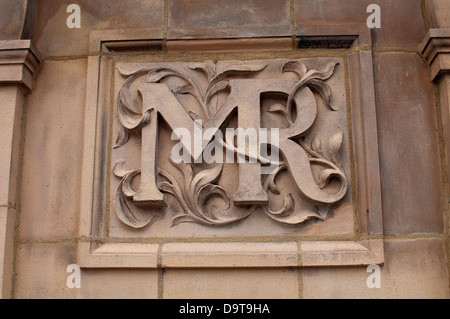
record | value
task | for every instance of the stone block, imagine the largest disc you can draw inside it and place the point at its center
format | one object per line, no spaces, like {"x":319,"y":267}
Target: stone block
{"x":218,"y":255}
{"x":118,"y":284}
{"x":413,"y":270}
{"x":10,"y":123}
{"x":409,"y":155}
{"x":444,"y":87}
{"x":54,"y":38}
{"x":225,"y":19}
{"x":401,"y":20}
{"x":41,"y":271}
{"x":52,"y":154}
{"x":7,"y":227}
{"x":17,"y":19}
{"x":230,"y":284}
{"x":438,"y":13}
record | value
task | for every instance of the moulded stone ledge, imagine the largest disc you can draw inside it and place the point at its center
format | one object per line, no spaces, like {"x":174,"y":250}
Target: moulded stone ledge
{"x":342,"y":253}
{"x":180,"y":255}
{"x":230,"y":45}
{"x":228,"y":32}
{"x":231,"y":254}
{"x":128,"y":38}
{"x":19,"y":61}
{"x":339,"y":35}
{"x":118,"y":255}
{"x":436,"y":51}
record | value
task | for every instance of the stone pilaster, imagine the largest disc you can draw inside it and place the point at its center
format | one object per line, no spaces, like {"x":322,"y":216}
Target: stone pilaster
{"x":19,"y":61}
{"x":436,"y":52}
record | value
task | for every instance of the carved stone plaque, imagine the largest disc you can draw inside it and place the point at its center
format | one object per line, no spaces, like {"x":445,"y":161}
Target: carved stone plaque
{"x":294,"y":109}
{"x":213,"y":162}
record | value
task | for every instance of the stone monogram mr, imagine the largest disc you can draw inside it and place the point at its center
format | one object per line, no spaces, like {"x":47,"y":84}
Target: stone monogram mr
{"x":286,"y":97}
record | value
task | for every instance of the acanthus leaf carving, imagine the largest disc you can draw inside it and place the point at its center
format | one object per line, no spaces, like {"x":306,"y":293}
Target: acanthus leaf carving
{"x":193,"y":195}
{"x":123,"y":193}
{"x":313,"y":79}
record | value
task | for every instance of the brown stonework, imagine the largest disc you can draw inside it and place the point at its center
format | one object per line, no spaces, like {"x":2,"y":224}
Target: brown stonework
{"x":402,"y":23}
{"x":407,"y":105}
{"x":17,"y":19}
{"x":87,"y":184}
{"x":228,"y":19}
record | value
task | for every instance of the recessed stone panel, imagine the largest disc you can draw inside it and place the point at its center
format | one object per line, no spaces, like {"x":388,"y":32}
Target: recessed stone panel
{"x":215,"y":196}
{"x":212,"y":150}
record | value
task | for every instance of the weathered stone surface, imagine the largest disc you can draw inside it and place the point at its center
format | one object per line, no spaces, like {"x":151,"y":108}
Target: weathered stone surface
{"x":260,"y":257}
{"x":225,"y":19}
{"x":435,"y":49}
{"x":118,"y":284}
{"x":51,"y":178}
{"x":413,"y":269}
{"x":342,"y":253}
{"x":401,"y":20}
{"x":219,"y":255}
{"x":41,"y":271}
{"x":409,"y":155}
{"x":118,"y":255}
{"x":54,"y":38}
{"x":17,"y":19}
{"x":438,"y":13}
{"x":11,"y":107}
{"x":230,"y":45}
{"x":7,"y":231}
{"x":19,"y":63}
{"x":444,"y":87}
{"x":42,"y":274}
{"x":221,"y":284}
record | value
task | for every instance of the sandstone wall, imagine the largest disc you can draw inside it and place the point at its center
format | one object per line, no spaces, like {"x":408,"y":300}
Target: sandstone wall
{"x":46,"y":173}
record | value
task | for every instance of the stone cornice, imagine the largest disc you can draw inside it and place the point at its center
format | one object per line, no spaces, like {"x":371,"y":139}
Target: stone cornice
{"x":19,"y":62}
{"x":435,"y":50}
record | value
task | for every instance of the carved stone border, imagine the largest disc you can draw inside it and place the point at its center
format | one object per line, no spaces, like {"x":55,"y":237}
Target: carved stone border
{"x":95,"y":251}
